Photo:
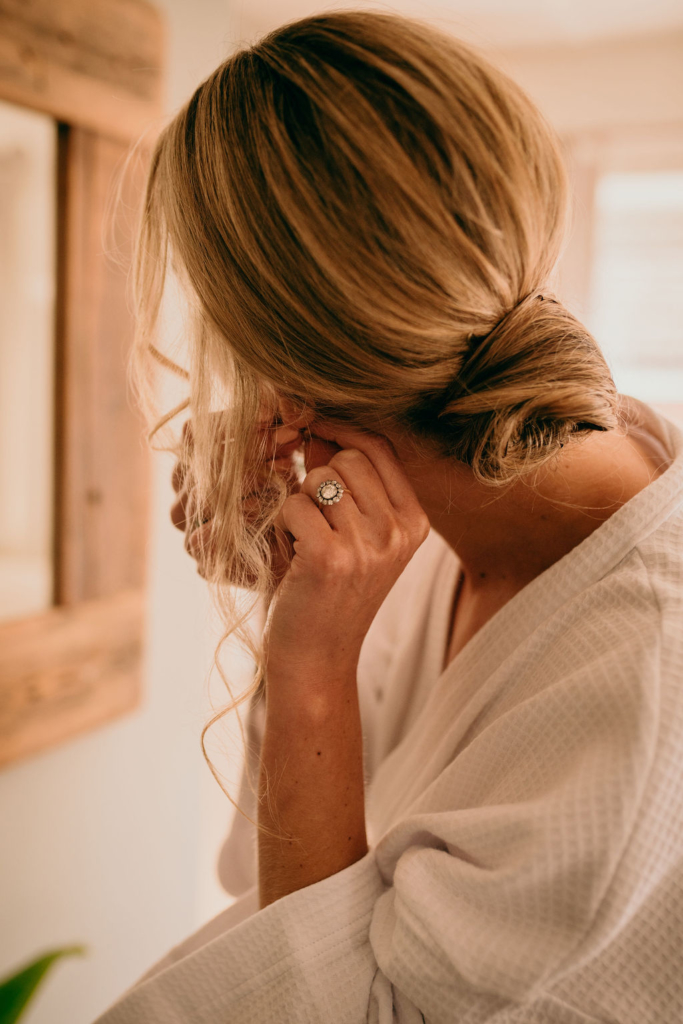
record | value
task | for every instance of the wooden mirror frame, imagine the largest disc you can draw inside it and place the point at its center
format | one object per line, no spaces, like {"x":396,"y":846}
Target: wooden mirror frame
{"x":95,"y":66}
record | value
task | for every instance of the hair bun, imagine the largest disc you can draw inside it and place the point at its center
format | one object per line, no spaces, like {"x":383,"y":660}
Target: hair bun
{"x":524,"y":308}
{"x":520,"y":391}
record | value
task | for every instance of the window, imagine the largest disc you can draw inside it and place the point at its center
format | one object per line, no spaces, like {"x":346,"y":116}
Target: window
{"x":636,"y":302}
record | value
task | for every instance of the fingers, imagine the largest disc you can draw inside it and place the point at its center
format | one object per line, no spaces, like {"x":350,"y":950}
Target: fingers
{"x":300,"y":516}
{"x":364,"y":502}
{"x":379,"y":453}
{"x":363,"y":517}
{"x":362,"y":479}
{"x":341,"y":511}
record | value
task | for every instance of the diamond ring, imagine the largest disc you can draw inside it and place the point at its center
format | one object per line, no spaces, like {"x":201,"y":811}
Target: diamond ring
{"x":329,"y":492}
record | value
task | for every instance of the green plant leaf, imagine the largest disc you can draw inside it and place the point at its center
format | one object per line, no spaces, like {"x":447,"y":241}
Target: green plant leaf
{"x":16,"y":990}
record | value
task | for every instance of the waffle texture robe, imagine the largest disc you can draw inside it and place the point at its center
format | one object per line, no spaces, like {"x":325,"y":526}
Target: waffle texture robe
{"x":524,"y":811}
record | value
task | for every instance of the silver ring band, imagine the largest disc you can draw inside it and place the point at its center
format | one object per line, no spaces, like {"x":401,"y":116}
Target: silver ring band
{"x":329,"y":492}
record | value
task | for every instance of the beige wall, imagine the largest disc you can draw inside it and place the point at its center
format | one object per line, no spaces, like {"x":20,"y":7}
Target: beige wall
{"x":605,"y":85}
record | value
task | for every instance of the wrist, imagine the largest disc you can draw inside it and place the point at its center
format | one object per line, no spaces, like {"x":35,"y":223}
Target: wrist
{"x":309,"y":666}
{"x":311,"y":690}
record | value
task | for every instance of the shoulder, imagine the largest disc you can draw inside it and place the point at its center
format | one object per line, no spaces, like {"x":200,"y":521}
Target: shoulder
{"x":661,"y":558}
{"x":639,"y":602}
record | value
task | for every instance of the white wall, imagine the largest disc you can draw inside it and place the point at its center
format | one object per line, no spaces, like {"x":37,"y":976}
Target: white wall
{"x":111,"y":839}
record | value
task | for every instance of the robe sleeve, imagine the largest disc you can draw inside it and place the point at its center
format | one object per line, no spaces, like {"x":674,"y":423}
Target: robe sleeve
{"x":473,"y":904}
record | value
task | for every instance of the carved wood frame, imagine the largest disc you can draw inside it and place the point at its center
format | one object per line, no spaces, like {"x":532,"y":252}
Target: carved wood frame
{"x":96,"y":67}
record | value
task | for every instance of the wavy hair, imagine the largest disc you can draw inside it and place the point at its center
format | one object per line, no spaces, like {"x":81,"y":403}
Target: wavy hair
{"x":364,"y":214}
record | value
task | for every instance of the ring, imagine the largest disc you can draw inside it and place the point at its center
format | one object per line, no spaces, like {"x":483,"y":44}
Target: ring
{"x":329,"y":492}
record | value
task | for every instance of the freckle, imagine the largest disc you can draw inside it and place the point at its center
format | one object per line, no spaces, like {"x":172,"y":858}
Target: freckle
{"x":318,"y":753}
{"x":349,"y":838}
{"x":482,"y":575}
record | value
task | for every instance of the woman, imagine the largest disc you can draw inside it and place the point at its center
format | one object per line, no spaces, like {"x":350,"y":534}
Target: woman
{"x":466,"y":722}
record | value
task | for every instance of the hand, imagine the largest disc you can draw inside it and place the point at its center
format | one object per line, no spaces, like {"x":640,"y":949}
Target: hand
{"x":346,"y":556}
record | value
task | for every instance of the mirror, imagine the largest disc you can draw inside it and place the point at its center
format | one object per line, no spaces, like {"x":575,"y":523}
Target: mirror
{"x":28,"y":201}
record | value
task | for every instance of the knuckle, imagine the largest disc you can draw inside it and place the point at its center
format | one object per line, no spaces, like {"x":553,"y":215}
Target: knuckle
{"x":422,"y":527}
{"x":315,"y":478}
{"x":319,"y":473}
{"x":295,"y":500}
{"x":336,"y":561}
{"x":398,"y":540}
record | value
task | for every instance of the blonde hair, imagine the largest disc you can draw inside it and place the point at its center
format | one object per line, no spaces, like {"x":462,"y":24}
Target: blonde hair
{"x":365,"y":214}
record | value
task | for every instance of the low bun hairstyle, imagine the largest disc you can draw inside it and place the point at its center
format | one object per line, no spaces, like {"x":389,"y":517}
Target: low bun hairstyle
{"x":519,"y":393}
{"x":365,"y":215}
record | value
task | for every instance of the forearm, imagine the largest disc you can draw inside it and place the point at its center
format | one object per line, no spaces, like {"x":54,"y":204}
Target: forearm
{"x":311,"y":782}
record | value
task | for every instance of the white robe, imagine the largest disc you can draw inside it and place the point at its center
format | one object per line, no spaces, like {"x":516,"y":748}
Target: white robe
{"x":524,"y":811}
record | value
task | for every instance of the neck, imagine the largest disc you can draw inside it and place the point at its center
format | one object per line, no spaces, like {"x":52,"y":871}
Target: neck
{"x":506,"y":537}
